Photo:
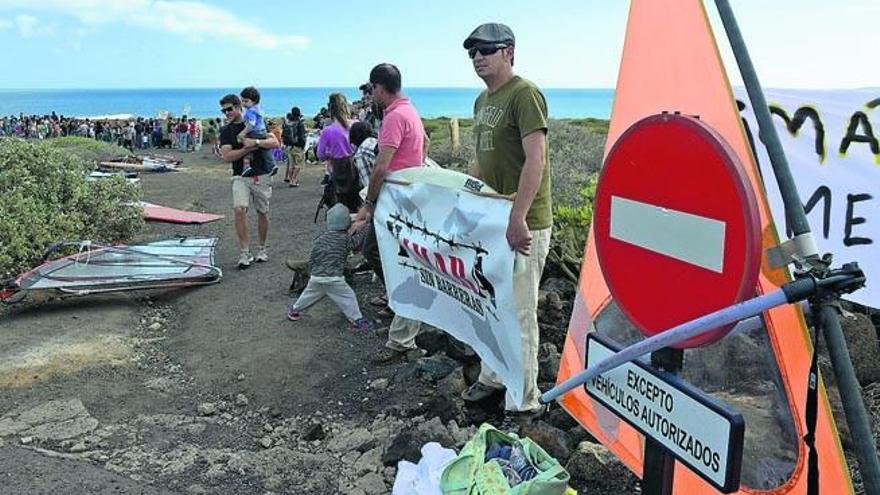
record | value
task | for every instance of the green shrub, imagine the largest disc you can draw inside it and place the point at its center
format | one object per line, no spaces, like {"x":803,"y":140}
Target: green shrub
{"x":47,"y":199}
{"x":575,"y":156}
{"x":88,"y":149}
{"x":571,"y":223}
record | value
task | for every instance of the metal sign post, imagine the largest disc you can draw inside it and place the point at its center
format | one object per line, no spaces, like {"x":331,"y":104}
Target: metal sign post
{"x":659,"y":470}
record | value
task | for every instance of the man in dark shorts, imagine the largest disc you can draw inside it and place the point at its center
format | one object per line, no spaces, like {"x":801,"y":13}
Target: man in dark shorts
{"x":254,"y":190}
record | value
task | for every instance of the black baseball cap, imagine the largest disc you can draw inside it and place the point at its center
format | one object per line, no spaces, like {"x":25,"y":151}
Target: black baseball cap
{"x":488,"y":34}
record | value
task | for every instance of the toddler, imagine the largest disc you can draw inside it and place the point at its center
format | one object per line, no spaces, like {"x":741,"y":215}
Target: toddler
{"x":327,"y":264}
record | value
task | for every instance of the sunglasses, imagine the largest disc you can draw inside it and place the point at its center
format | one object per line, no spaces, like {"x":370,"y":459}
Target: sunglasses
{"x":226,"y":110}
{"x":484,"y":50}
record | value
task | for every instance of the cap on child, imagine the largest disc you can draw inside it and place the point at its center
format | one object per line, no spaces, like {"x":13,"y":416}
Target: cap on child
{"x":338,"y":217}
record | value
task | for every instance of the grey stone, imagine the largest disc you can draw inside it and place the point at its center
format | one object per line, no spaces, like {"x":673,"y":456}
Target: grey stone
{"x":9,"y":426}
{"x":452,"y":385}
{"x":379,"y":384}
{"x":78,"y":447}
{"x":155,"y":327}
{"x":53,"y":412}
{"x":359,"y":439}
{"x":241,"y":400}
{"x":595,"y":466}
{"x":370,"y":461}
{"x":404,"y":446}
{"x":434,"y":431}
{"x":276,"y":462}
{"x":548,"y":362}
{"x":427,"y":369}
{"x":563,"y":287}
{"x":553,"y":440}
{"x":350,"y":457}
{"x":266,"y":442}
{"x":459,"y":434}
{"x":207,"y":408}
{"x":27,"y":440}
{"x":407,"y":444}
{"x":63,"y":430}
{"x":372,"y":484}
{"x":864,"y":349}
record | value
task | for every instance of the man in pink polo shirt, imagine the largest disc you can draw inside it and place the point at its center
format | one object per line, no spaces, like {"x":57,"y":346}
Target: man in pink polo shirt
{"x":401,"y":145}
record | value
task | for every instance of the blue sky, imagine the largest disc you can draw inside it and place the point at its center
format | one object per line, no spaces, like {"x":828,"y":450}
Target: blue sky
{"x":560,"y":43}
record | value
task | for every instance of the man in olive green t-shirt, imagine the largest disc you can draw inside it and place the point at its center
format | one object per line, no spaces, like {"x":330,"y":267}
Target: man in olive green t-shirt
{"x":510,"y":134}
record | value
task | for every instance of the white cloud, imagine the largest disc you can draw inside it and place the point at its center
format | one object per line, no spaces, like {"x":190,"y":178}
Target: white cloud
{"x":29,"y":26}
{"x":194,"y":20}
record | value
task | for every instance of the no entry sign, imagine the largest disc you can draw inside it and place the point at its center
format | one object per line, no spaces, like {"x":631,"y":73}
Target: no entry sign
{"x":676,"y":225}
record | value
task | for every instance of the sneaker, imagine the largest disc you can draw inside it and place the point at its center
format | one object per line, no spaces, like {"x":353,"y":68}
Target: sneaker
{"x":479,"y":392}
{"x":262,"y":256}
{"x":361,"y":325}
{"x":245,"y":260}
{"x":293,"y":315}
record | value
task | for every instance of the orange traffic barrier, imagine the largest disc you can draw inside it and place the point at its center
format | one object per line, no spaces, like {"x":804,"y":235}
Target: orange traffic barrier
{"x":671,"y":63}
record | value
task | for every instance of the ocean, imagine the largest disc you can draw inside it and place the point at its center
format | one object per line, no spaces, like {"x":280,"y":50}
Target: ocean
{"x":204,"y":102}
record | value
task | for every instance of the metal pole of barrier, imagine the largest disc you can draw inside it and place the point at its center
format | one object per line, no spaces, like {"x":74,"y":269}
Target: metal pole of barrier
{"x":794,"y":211}
{"x":856,"y":416}
{"x":850,"y":391}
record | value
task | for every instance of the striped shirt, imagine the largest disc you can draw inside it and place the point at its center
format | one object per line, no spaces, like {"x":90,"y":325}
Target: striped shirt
{"x":330,"y":252}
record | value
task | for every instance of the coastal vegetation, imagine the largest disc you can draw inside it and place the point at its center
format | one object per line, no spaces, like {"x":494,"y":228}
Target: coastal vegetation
{"x":46,"y":199}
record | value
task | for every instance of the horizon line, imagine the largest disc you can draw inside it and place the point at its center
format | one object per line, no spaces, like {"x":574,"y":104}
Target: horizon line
{"x":267,"y":87}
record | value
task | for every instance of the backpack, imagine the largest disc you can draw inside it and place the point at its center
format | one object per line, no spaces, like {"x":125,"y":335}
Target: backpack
{"x":299,"y":139}
{"x":287,"y":134}
{"x":346,"y":182}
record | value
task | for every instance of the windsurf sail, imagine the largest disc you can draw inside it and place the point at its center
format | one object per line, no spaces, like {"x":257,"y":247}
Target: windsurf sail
{"x":172,"y":215}
{"x":97,"y":268}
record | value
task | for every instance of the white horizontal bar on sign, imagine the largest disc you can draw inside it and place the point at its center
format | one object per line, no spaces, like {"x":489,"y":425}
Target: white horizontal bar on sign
{"x":686,"y":237}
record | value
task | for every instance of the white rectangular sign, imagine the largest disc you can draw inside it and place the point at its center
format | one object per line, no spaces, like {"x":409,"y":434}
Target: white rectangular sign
{"x":698,"y":430}
{"x":831,"y":139}
{"x":447,"y":263}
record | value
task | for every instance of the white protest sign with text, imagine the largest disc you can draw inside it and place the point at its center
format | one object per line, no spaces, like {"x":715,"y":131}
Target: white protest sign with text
{"x":832,"y":142}
{"x":447,"y":263}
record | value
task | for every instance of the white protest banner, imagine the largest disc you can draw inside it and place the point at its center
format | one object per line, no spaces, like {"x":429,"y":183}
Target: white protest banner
{"x":447,"y":263}
{"x":832,"y":142}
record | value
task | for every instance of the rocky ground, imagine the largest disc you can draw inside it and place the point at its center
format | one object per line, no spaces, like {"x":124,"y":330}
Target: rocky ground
{"x":212,"y":390}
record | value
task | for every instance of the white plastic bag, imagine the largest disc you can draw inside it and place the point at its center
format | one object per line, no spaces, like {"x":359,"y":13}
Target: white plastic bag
{"x":423,"y":478}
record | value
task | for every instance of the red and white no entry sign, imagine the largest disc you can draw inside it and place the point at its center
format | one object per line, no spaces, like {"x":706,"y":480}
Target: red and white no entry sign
{"x":676,"y":225}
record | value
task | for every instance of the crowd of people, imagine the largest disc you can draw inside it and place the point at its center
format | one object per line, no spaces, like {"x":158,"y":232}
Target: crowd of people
{"x":134,"y":133}
{"x":363,"y":142}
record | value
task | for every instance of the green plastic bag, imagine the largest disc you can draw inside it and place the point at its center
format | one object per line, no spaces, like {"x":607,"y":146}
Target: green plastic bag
{"x":468,"y":474}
